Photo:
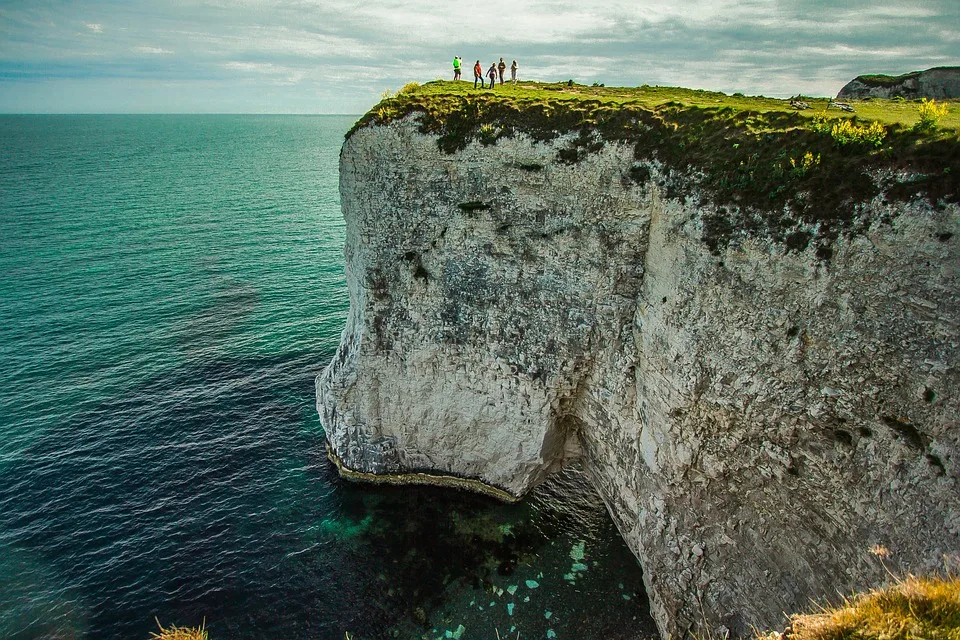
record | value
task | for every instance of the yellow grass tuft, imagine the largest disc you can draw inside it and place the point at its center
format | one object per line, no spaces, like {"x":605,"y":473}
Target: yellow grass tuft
{"x":912,"y":609}
{"x":180,"y":633}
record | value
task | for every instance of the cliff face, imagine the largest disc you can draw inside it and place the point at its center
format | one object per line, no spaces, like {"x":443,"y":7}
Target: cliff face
{"x":939,"y":83}
{"x":756,"y":417}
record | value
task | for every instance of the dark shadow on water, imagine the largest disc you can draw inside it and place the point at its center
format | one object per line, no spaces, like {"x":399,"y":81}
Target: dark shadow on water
{"x":205,"y":494}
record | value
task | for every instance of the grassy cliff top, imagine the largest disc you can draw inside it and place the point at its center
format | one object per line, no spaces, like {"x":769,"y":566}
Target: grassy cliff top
{"x":797,"y":176}
{"x":443,"y":97}
{"x":881,"y":80}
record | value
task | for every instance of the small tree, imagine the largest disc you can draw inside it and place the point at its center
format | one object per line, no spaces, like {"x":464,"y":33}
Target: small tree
{"x":929,"y":112}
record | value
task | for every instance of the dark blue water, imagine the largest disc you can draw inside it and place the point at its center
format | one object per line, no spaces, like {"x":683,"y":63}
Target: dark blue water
{"x":171,"y":286}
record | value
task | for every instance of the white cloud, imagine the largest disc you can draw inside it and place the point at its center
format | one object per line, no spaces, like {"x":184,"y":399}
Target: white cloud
{"x":281,"y":41}
{"x":279,"y":74}
{"x":904,"y":12}
{"x":254,"y":67}
{"x":96,"y":27}
{"x":580,"y":67}
{"x":842,"y":50}
{"x":154,"y":50}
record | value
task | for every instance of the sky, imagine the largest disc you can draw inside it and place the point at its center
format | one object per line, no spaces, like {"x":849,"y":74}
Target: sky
{"x":339,"y":56}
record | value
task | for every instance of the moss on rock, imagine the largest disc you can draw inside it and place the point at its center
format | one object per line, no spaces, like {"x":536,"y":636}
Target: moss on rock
{"x":746,"y":154}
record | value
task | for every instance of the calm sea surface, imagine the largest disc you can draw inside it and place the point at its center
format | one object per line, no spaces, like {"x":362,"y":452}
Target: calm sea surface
{"x":170,"y":286}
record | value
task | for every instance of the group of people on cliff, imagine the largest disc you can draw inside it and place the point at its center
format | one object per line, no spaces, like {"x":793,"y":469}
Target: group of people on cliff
{"x":496,"y":70}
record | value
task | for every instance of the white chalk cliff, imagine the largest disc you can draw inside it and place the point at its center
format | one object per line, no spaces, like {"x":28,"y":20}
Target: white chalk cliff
{"x":755,"y":418}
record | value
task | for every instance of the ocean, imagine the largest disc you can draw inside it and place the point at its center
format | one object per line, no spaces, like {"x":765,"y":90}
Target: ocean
{"x":170,"y":286}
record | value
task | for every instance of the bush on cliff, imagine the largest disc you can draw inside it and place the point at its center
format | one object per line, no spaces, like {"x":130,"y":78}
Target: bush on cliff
{"x":930,"y":113}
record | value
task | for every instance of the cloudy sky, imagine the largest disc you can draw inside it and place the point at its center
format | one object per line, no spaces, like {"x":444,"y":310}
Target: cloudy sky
{"x":338,"y":56}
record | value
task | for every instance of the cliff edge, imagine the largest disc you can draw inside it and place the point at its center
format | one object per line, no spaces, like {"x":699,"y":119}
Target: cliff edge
{"x":939,"y":83}
{"x":747,"y":334}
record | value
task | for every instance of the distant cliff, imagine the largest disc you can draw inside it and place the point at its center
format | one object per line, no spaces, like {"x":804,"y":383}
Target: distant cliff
{"x":939,"y":83}
{"x":748,"y":336}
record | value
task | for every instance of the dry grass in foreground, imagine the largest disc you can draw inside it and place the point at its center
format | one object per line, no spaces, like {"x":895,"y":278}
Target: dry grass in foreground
{"x":912,"y":609}
{"x":180,"y":633}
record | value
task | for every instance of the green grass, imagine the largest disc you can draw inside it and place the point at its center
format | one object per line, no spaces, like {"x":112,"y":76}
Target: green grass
{"x":881,"y":80}
{"x":741,"y":151}
{"x":441,"y":92}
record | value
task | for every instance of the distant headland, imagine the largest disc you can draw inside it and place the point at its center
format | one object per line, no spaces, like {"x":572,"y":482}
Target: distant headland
{"x":939,"y":83}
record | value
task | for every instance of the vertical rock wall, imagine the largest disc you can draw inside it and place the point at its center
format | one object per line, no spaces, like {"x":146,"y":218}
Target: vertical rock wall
{"x":755,"y":419}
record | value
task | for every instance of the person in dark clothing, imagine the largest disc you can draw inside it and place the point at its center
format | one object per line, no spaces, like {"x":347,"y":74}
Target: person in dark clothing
{"x":477,"y":75}
{"x":492,"y":74}
{"x":501,"y":68}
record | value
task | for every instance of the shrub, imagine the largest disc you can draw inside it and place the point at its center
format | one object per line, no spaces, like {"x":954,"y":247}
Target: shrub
{"x":487,"y":134}
{"x":410,"y":87}
{"x":807,"y":162}
{"x":820,"y":123}
{"x":845,"y":132}
{"x":929,"y":112}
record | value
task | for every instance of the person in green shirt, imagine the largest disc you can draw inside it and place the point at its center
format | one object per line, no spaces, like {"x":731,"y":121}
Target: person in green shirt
{"x":456,"y":67}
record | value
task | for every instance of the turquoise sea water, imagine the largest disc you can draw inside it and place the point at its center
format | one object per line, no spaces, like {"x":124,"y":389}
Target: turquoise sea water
{"x":170,"y":286}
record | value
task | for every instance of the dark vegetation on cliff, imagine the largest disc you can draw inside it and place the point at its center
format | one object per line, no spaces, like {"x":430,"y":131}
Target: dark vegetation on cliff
{"x":881,"y":80}
{"x":798,"y":177}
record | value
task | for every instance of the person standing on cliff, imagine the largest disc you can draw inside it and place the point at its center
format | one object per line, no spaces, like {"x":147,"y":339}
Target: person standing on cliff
{"x":492,"y":74}
{"x":502,"y":67}
{"x":477,"y":75}
{"x":513,"y":72}
{"x":457,"y":62}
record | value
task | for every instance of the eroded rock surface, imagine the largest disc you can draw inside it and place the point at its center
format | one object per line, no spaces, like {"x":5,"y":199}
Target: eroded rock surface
{"x":938,"y":83}
{"x":755,"y":418}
